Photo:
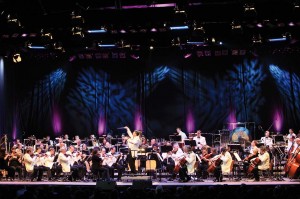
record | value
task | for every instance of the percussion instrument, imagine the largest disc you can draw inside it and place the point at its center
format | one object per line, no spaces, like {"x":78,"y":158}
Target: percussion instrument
{"x":239,"y":134}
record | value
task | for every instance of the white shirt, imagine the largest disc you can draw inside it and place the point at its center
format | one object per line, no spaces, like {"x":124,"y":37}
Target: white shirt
{"x":290,"y":142}
{"x":191,"y":160}
{"x":29,"y":162}
{"x":200,"y":141}
{"x":183,"y":136}
{"x":265,"y":161}
{"x":226,"y":162}
{"x":64,"y":162}
{"x":267,"y":141}
{"x":176,"y":156}
{"x":49,"y":160}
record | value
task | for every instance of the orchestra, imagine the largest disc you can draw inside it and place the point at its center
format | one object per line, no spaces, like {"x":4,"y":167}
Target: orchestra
{"x":99,"y":157}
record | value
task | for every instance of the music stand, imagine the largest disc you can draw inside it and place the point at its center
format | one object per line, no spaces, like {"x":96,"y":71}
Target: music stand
{"x":190,"y":142}
{"x":124,"y":150}
{"x":278,"y":139}
{"x":176,"y":138}
{"x":101,"y":140}
{"x":166,"y":149}
{"x":235,"y":147}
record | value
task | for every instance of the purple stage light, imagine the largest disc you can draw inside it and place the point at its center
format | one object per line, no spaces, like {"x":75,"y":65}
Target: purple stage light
{"x":278,"y":120}
{"x":232,"y":119}
{"x":190,"y":122}
{"x":259,"y":25}
{"x":138,"y":120}
{"x":188,"y":55}
{"x":56,"y":121}
{"x":101,"y":124}
{"x":133,"y":56}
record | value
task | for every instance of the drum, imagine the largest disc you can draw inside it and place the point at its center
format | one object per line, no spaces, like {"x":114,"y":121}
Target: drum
{"x":240,"y":134}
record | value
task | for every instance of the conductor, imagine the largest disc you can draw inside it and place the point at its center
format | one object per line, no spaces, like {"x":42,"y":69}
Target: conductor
{"x":134,"y":143}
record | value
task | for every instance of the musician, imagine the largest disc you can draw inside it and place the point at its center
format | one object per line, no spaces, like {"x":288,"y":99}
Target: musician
{"x":84,"y":149}
{"x":134,"y":143}
{"x":169,"y":165}
{"x":39,"y":165}
{"x":97,"y":167}
{"x":253,"y":154}
{"x":14,"y":162}
{"x":265,"y":162}
{"x":200,"y":140}
{"x":29,"y":162}
{"x":267,"y":140}
{"x":18,"y":145}
{"x":49,"y":141}
{"x":181,"y":133}
{"x":49,"y":162}
{"x":290,"y":138}
{"x":63,"y":160}
{"x":189,"y":167}
{"x":203,"y":164}
{"x":226,"y":159}
{"x":112,"y":163}
{"x":292,"y":146}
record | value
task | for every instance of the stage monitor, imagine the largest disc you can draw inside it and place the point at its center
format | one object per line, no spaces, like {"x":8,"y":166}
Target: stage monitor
{"x":166,"y":149}
{"x":106,"y":185}
{"x":190,"y":142}
{"x":176,"y":138}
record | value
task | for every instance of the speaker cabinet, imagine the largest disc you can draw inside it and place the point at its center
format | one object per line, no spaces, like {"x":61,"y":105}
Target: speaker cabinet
{"x":141,"y":184}
{"x":106,"y":185}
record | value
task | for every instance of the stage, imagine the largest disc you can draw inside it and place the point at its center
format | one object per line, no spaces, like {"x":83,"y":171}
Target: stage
{"x":163,"y":182}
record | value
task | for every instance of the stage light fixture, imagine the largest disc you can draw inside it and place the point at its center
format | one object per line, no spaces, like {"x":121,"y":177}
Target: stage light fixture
{"x":77,"y":31}
{"x":13,"y":20}
{"x":46,"y":35}
{"x":180,"y":18}
{"x":100,"y":30}
{"x":17,"y":58}
{"x":59,"y":47}
{"x":256,"y":39}
{"x":76,"y":18}
{"x":249,"y":10}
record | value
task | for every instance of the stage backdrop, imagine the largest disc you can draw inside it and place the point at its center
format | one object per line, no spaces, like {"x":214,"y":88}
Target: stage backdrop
{"x":156,"y":95}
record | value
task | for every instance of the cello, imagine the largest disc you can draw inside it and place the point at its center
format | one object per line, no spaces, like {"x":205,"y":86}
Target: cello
{"x":253,"y":164}
{"x":217,"y":162}
{"x":180,"y":164}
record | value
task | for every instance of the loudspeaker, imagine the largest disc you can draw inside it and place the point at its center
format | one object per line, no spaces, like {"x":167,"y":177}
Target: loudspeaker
{"x":141,"y":184}
{"x":106,"y":185}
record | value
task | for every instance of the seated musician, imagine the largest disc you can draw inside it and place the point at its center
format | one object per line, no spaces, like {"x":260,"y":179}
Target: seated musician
{"x":203,"y":164}
{"x":223,"y":167}
{"x":169,"y":164}
{"x":264,"y":164}
{"x":200,"y":140}
{"x":29,"y":162}
{"x":267,"y":140}
{"x":111,"y":161}
{"x":63,"y":161}
{"x":97,"y":167}
{"x":49,"y":161}
{"x":189,"y":166}
{"x":253,"y":154}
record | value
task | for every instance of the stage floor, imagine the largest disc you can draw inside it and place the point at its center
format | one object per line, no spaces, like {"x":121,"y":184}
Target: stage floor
{"x":163,"y":182}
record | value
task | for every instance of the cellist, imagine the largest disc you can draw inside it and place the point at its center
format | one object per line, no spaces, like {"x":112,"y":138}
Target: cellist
{"x":253,"y":154}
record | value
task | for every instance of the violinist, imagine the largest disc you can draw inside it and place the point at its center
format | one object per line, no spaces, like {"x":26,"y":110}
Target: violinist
{"x":253,"y":154}
{"x":29,"y":161}
{"x":63,"y":160}
{"x":187,"y":164}
{"x":177,"y":153}
{"x":39,"y":165}
{"x":49,"y":161}
{"x":14,"y":160}
{"x":112,"y":163}
{"x":97,"y":167}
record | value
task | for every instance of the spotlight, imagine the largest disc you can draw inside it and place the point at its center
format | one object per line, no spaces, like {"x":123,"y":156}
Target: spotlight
{"x":17,"y":58}
{"x":151,"y":47}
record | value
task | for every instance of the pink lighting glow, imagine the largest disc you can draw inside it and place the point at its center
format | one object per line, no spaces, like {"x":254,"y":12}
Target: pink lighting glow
{"x":232,"y":119}
{"x":101,"y":124}
{"x":138,"y":120}
{"x":278,"y":119}
{"x":190,"y":121}
{"x":56,"y":121}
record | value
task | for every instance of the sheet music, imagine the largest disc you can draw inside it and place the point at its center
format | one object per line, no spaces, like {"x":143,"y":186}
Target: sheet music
{"x":237,"y":156}
{"x":159,"y":156}
{"x":197,"y":156}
